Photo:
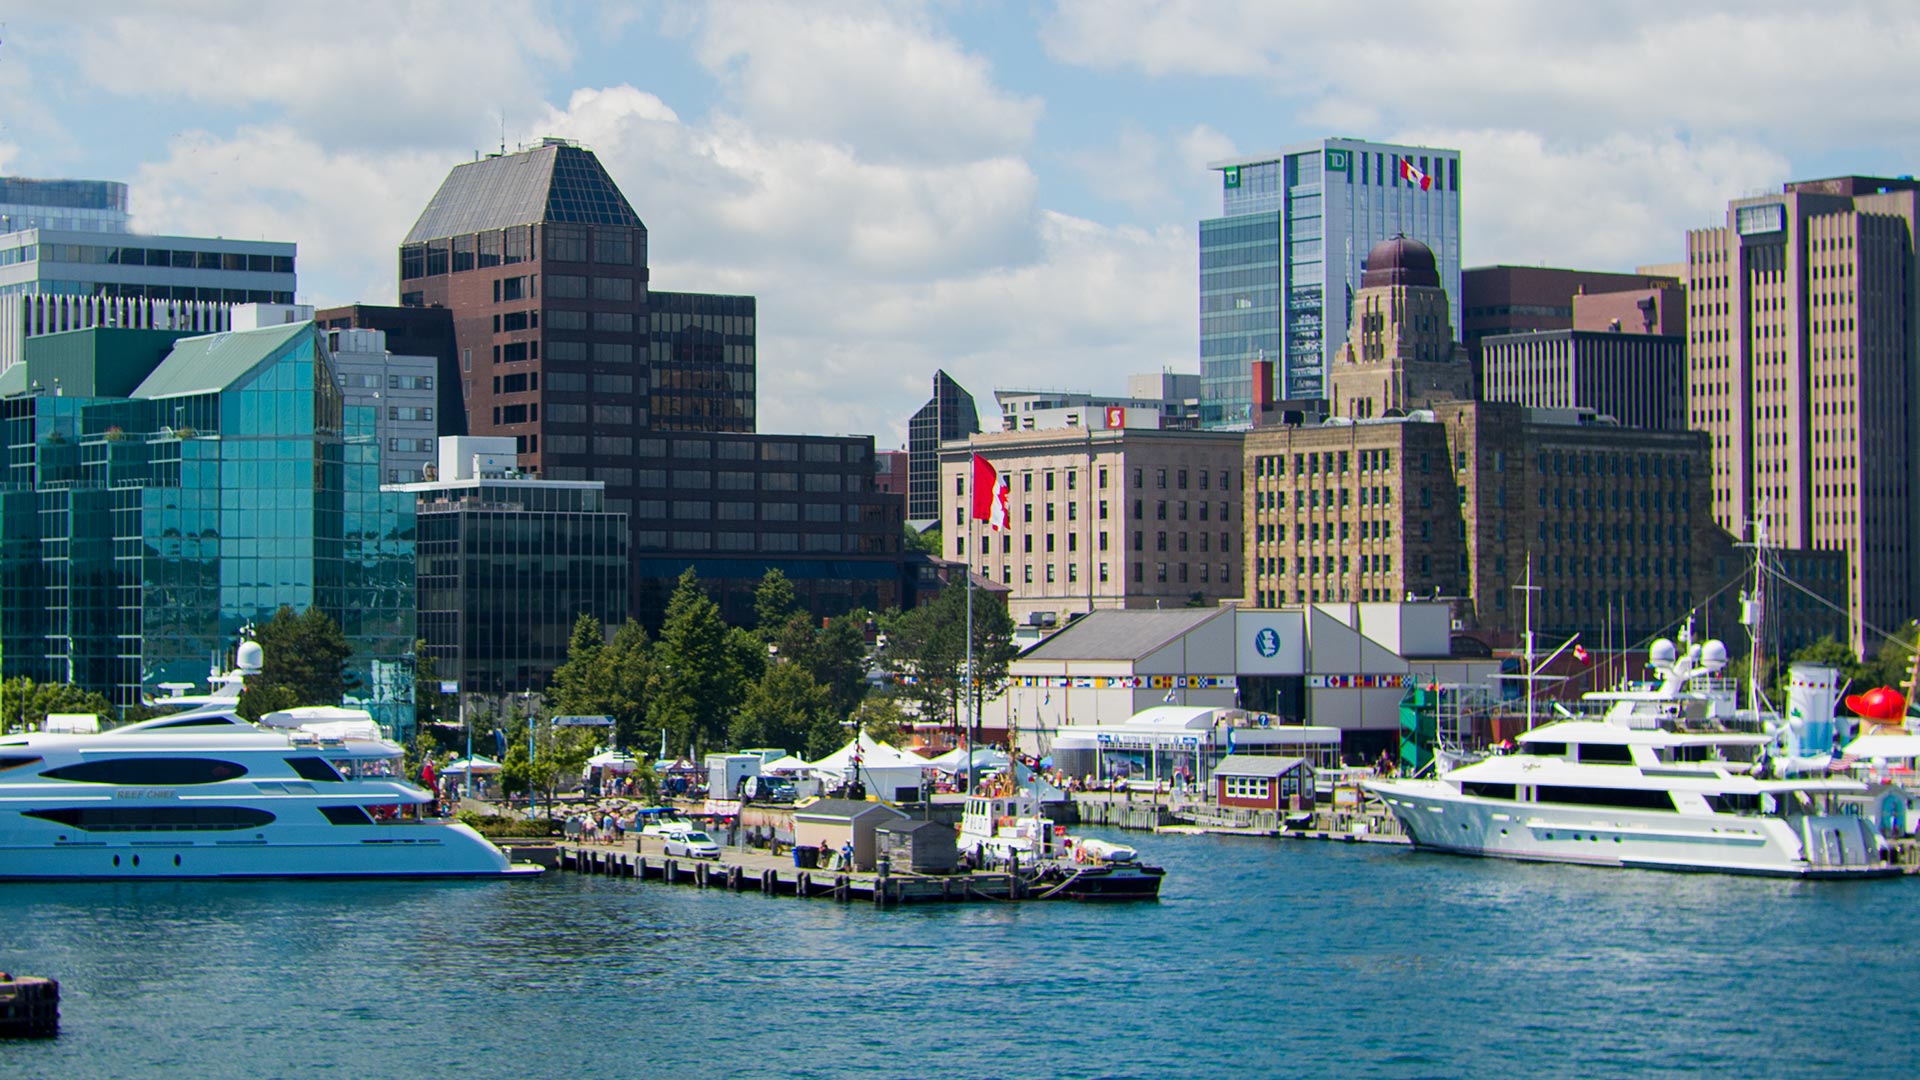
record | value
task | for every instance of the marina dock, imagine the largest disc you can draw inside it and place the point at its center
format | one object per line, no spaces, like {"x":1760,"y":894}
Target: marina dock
{"x":753,"y":870}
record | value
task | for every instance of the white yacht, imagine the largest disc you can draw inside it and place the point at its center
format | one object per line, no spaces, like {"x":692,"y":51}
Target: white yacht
{"x":1670,"y":777}
{"x":205,"y":794}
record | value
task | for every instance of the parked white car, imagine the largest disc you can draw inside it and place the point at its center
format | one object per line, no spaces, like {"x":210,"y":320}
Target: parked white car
{"x":691,"y":843}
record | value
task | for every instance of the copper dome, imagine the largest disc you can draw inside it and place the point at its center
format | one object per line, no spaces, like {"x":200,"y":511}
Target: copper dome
{"x":1400,"y":261}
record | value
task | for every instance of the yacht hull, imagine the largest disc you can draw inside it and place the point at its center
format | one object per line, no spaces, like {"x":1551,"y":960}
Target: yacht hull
{"x":1437,"y":817}
{"x":449,"y":850}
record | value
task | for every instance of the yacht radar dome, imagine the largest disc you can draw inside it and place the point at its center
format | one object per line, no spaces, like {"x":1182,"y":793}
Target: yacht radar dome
{"x":1714,"y":656}
{"x":1663,"y":653}
{"x":249,"y":658}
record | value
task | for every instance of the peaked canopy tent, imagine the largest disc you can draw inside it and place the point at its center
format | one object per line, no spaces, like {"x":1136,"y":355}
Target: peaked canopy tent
{"x":986,"y":758}
{"x":890,"y":772}
{"x":476,"y":765}
{"x":613,"y":761}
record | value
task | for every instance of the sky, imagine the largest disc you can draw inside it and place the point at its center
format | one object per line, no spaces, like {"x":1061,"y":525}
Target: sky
{"x":1007,"y":191}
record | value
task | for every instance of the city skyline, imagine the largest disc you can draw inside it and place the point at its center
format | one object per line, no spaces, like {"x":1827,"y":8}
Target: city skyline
{"x":1018,"y":207}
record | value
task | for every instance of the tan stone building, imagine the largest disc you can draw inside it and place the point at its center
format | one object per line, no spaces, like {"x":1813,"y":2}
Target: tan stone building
{"x":1400,"y":352}
{"x":1102,"y":518}
{"x":1803,"y":364}
{"x":1452,"y":501}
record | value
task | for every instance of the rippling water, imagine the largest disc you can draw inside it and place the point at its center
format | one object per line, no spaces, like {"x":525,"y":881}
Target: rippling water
{"x":1262,"y":957}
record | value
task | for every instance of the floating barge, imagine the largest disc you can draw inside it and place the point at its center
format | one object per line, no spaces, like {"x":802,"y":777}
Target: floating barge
{"x":739,"y":870}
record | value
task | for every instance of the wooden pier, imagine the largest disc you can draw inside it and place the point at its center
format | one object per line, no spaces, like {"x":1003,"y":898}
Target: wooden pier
{"x":751,"y":870}
{"x":29,"y":1007}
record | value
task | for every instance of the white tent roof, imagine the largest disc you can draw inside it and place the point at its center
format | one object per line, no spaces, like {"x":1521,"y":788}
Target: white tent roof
{"x":986,"y":757}
{"x":477,"y":763}
{"x":785,"y":764}
{"x":613,"y":760}
{"x":873,"y":755}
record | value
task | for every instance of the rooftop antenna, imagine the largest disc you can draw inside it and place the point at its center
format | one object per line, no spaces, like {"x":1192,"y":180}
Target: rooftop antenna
{"x":503,"y":132}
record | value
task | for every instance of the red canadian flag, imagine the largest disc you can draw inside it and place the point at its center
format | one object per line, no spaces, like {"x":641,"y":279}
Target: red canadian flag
{"x":1581,"y":654}
{"x":1414,"y":176}
{"x":989,"y":495}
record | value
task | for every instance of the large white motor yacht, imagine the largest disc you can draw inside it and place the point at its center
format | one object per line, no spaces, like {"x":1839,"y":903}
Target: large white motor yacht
{"x":1668,"y":778}
{"x":205,"y":794}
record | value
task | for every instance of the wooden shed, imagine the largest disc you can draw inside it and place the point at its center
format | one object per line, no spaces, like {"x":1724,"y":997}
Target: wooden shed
{"x":830,"y":823}
{"x":920,"y":847}
{"x":1257,"y":782}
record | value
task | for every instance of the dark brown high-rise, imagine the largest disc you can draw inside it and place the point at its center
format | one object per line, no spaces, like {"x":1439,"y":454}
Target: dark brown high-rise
{"x":563,"y":345}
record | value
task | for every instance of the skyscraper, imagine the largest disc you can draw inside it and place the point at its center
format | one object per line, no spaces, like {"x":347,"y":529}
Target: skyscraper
{"x":564,"y":347}
{"x":948,"y":414}
{"x":1802,"y":355}
{"x":1280,"y":266}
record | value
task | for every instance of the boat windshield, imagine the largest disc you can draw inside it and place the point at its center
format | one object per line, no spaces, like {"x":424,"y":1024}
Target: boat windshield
{"x":366,"y":768}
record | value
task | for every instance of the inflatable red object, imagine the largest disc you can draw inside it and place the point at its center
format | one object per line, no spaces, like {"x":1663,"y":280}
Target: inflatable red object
{"x":1880,"y":703}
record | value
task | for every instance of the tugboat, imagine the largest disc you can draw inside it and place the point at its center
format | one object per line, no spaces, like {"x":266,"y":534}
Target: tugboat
{"x":1008,"y":828}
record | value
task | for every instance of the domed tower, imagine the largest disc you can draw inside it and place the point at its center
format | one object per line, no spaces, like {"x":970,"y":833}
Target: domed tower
{"x":1400,"y":352}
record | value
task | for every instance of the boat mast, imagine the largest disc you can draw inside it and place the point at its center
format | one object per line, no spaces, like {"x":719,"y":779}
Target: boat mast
{"x":1753,"y":612}
{"x":1526,"y":638}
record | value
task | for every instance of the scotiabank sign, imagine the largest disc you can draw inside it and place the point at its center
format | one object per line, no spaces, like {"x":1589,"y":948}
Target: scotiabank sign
{"x":1116,"y":416}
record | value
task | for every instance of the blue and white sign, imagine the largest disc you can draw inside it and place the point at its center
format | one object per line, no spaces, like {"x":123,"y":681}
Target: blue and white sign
{"x":1266,"y":642}
{"x":1271,"y":643}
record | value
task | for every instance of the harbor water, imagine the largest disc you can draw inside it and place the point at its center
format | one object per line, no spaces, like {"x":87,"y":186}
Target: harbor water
{"x":1262,"y":957}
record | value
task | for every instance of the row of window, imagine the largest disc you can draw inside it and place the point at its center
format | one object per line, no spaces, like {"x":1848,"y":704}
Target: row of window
{"x":1184,"y":573}
{"x":97,"y":255}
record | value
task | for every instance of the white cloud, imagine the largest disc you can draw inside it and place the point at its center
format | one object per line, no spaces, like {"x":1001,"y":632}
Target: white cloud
{"x":1577,"y":72}
{"x":1615,"y":203}
{"x":877,"y":79}
{"x":1083,"y":315}
{"x":347,"y":211}
{"x":363,"y":71}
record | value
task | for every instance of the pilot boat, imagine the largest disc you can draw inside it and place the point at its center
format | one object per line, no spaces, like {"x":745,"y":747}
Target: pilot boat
{"x":1009,"y":828}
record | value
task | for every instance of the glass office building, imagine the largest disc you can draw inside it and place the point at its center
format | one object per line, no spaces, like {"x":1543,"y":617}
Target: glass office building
{"x":508,"y":563}
{"x":1279,"y":267}
{"x":139,"y":532}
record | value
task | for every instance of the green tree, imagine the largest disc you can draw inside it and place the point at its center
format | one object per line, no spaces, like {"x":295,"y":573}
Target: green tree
{"x":882,"y":718}
{"x":27,"y":703}
{"x":773,"y":601}
{"x":927,"y":543}
{"x":839,"y":661}
{"x":303,"y":662}
{"x":927,"y":649}
{"x":601,"y":678}
{"x":696,"y":677}
{"x":429,"y":704}
{"x":781,"y":709}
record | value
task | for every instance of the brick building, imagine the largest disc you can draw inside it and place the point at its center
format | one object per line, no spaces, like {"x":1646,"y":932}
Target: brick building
{"x":1102,"y":518}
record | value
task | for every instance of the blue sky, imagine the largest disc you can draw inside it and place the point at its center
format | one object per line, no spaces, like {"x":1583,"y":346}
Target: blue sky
{"x":1007,"y":191}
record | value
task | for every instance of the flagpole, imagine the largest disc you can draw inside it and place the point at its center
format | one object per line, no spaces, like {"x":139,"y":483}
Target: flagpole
{"x":973,"y":716}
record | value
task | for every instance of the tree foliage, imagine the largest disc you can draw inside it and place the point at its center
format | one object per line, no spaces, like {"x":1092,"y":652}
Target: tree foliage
{"x":602,"y":678}
{"x":927,"y":649}
{"x":700,"y":671}
{"x":25,"y":703}
{"x":927,"y":543}
{"x":781,"y":709}
{"x":773,"y":601}
{"x":303,"y":662}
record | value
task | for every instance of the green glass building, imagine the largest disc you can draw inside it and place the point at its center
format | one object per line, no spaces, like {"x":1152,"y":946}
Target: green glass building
{"x":160,"y":492}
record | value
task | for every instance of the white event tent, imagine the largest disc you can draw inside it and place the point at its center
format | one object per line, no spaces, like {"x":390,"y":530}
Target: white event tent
{"x":887,"y":770}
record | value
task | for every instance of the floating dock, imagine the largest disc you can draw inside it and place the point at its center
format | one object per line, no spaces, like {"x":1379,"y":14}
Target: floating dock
{"x":29,"y":1007}
{"x":749,"y":870}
